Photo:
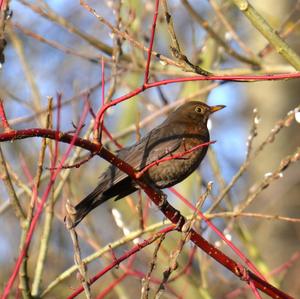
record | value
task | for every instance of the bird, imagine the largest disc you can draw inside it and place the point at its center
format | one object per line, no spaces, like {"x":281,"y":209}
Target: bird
{"x":183,"y":129}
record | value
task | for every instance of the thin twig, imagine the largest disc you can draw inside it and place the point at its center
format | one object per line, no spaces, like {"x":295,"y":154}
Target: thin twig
{"x":81,"y":266}
{"x":55,"y":18}
{"x":18,"y":210}
{"x":253,"y":133}
{"x":268,"y":179}
{"x":145,"y":282}
{"x":58,"y":46}
{"x":3,"y":118}
{"x":34,"y":89}
{"x":186,"y":65}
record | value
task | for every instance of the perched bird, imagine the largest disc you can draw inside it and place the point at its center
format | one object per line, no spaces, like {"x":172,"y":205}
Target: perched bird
{"x":183,"y":129}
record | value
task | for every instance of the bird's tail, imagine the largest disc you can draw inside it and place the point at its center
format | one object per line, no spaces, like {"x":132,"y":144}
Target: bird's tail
{"x":101,"y":194}
{"x":89,"y":203}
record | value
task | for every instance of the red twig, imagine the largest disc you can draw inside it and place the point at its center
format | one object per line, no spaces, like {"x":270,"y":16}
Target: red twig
{"x":26,"y":170}
{"x":75,"y":165}
{"x":102,"y":82}
{"x":119,"y":145}
{"x":146,"y":78}
{"x":254,"y":289}
{"x":108,"y":289}
{"x":99,"y":117}
{"x":56,"y":148}
{"x":172,"y":157}
{"x":235,"y":78}
{"x":116,"y":281}
{"x":3,"y":5}
{"x":4,"y":121}
{"x":288,"y":264}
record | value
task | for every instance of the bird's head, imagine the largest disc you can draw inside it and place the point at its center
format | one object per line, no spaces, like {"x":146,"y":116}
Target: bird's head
{"x":196,"y":112}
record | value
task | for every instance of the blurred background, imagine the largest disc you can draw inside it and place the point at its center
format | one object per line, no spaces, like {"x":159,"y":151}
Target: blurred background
{"x":56,"y":47}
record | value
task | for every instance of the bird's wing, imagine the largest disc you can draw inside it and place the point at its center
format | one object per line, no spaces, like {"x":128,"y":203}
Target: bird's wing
{"x":159,"y":143}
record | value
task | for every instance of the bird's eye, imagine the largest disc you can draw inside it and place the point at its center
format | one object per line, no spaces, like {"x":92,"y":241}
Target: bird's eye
{"x":199,"y":109}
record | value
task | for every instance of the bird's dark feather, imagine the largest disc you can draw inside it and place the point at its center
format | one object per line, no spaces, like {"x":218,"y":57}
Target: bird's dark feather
{"x":114,"y":182}
{"x":183,"y":129}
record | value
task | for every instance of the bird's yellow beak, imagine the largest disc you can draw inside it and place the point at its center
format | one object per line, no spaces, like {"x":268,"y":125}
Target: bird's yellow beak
{"x":213,"y":109}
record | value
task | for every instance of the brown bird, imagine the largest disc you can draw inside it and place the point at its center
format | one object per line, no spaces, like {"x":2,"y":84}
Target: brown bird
{"x":184,"y":128}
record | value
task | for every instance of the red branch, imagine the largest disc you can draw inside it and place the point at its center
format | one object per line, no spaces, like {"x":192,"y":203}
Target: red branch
{"x":286,"y":265}
{"x":99,"y":117}
{"x":110,"y":287}
{"x":3,"y":118}
{"x":146,"y":79}
{"x":3,"y":5}
{"x":234,"y":78}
